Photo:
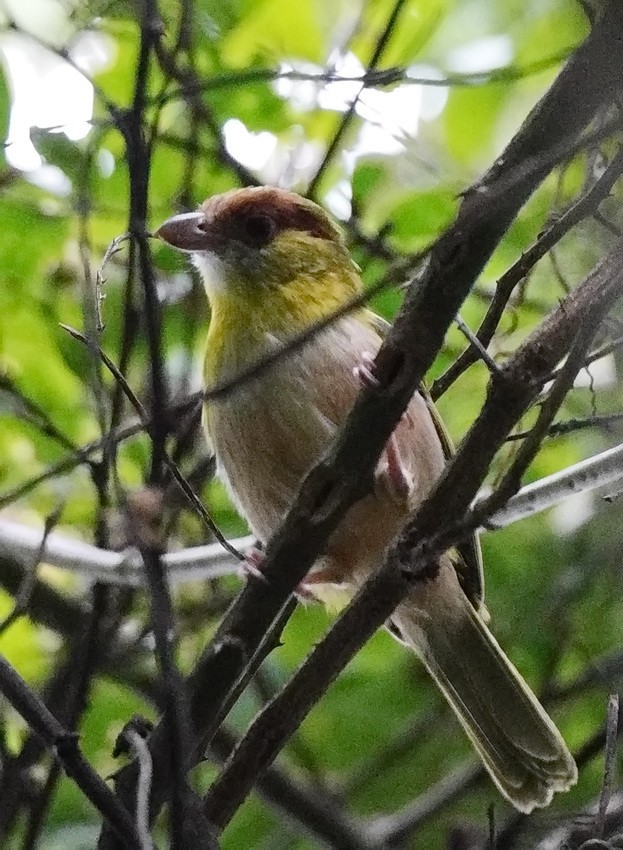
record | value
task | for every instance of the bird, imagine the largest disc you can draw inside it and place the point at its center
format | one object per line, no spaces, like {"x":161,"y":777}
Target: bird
{"x":273,"y":264}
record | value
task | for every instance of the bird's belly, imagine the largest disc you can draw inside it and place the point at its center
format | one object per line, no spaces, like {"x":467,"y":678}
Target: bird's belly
{"x":266,"y":437}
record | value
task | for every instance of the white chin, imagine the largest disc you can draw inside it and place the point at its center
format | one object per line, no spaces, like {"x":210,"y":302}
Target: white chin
{"x":211,"y":269}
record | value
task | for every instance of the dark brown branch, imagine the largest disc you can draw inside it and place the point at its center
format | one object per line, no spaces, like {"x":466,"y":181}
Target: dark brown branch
{"x":131,"y":126}
{"x":64,"y":746}
{"x":583,"y":207}
{"x":319,"y":814}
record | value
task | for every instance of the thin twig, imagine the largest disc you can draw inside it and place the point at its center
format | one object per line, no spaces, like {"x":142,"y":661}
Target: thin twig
{"x":64,"y":746}
{"x":612,"y":724}
{"x":27,"y":585}
{"x":476,"y":343}
{"x":100,"y":280}
{"x":348,"y":116}
{"x":194,"y":500}
{"x":371,"y":78}
{"x":506,"y":284}
{"x":143,"y":790}
{"x":511,"y":480}
{"x":567,"y":426}
{"x":37,"y":416}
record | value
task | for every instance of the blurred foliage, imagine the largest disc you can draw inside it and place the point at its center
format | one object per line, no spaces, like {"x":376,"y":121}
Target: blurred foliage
{"x":554,"y":582}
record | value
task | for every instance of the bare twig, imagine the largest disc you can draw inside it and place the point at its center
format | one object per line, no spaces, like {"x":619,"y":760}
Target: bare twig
{"x":100,"y":280}
{"x":143,"y":790}
{"x":194,"y":500}
{"x":371,"y":78}
{"x":580,"y":209}
{"x":478,"y":346}
{"x":511,"y":481}
{"x":567,"y":426}
{"x":64,"y":746}
{"x":612,"y":723}
{"x":348,"y":116}
{"x":36,"y":415}
{"x":27,"y":585}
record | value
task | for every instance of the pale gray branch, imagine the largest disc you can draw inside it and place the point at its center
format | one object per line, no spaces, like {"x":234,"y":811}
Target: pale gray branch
{"x":604,"y":469}
{"x":22,"y":542}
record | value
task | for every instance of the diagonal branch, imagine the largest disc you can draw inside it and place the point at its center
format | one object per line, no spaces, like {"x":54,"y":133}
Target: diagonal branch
{"x":64,"y":745}
{"x":583,"y":207}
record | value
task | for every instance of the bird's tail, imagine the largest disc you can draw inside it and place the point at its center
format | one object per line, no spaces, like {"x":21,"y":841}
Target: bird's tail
{"x":520,"y":746}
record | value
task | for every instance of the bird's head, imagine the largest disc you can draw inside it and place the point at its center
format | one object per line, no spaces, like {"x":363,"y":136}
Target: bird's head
{"x":268,"y":249}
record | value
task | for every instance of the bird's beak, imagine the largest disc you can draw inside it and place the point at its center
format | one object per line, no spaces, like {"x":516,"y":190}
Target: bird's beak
{"x":186,"y":232}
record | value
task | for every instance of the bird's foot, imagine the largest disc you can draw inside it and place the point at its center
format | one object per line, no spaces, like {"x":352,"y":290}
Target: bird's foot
{"x":304,"y":593}
{"x":252,"y":568}
{"x":320,"y":575}
{"x":365,"y":369}
{"x":396,"y":477}
{"x":365,"y":372}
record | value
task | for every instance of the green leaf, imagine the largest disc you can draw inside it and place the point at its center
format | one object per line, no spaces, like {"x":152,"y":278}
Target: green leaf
{"x":276,"y":28}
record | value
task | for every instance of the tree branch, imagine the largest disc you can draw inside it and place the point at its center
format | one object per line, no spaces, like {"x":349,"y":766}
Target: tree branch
{"x":64,"y":746}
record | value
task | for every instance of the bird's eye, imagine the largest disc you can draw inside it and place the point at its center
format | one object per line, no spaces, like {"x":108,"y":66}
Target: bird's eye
{"x":259,"y":228}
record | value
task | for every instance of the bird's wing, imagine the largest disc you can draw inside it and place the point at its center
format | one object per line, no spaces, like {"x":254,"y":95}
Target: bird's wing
{"x":468,"y":564}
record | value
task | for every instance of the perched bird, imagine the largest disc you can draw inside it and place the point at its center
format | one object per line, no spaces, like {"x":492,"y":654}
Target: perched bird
{"x":273,"y":263}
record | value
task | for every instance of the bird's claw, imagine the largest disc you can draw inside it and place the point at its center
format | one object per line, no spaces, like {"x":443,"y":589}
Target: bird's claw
{"x":364,"y":371}
{"x":252,"y":565}
{"x":398,"y":479}
{"x":251,"y":568}
{"x":304,"y":593}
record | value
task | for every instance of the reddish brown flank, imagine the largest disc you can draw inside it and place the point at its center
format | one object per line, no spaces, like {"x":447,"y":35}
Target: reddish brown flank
{"x":285,"y":211}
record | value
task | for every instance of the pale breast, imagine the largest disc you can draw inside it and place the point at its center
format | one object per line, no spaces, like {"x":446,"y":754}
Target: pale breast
{"x":268,"y":434}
